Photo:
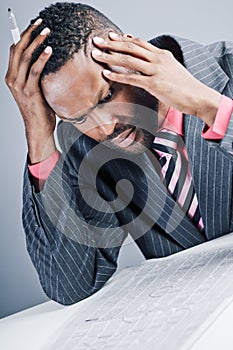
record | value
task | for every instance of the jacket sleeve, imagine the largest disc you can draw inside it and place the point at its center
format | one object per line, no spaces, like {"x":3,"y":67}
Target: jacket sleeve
{"x":73,"y":255}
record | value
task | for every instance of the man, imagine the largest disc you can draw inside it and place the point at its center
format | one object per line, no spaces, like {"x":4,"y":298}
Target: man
{"x":146,"y":138}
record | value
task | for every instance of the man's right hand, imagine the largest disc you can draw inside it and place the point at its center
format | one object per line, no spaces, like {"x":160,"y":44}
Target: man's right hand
{"x":23,"y":82}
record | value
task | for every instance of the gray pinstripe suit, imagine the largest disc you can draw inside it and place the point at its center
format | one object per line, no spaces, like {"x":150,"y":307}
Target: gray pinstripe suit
{"x":62,"y":229}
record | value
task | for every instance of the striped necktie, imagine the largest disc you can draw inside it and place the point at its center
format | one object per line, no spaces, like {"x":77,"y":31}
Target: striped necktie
{"x":176,"y":173}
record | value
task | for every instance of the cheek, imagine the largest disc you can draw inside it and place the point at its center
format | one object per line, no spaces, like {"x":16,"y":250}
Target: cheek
{"x":120,"y":111}
{"x":93,"y":133}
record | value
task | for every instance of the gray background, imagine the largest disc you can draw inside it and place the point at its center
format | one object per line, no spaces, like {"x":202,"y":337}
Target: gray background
{"x":200,"y":20}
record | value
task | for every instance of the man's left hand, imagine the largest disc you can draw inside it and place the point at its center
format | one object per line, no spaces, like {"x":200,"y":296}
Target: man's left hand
{"x":156,"y":71}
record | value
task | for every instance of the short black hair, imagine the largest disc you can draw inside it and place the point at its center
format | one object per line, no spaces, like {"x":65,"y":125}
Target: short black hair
{"x":71,"y":25}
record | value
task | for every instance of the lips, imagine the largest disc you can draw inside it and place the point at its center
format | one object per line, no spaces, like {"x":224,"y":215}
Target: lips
{"x":126,"y":138}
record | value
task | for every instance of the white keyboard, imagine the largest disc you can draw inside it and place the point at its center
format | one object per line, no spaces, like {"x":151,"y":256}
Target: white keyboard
{"x":163,"y":304}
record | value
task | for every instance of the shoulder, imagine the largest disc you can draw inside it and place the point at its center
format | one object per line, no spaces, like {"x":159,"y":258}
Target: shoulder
{"x":175,"y":43}
{"x":221,"y":48}
{"x":223,"y":53}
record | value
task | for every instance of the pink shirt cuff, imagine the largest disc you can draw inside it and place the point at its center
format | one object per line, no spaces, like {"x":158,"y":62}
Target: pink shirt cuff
{"x":218,"y":129}
{"x":42,"y":170}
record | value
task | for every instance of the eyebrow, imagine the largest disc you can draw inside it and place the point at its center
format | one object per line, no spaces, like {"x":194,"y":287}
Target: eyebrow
{"x":100,"y":97}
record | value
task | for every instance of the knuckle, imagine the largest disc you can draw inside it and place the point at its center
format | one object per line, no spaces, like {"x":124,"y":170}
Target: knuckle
{"x":25,"y":58}
{"x":105,"y":56}
{"x":8,"y":82}
{"x":27,"y":92}
{"x":23,"y":32}
{"x":156,"y":84}
{"x":34,"y":72}
{"x":17,"y":87}
{"x":18,"y":44}
{"x":130,"y":46}
{"x":128,"y":78}
{"x":7,"y":79}
{"x":138,"y":40}
{"x":167,"y":53}
{"x":12,"y":48}
{"x":158,"y":71}
{"x":125,"y":59}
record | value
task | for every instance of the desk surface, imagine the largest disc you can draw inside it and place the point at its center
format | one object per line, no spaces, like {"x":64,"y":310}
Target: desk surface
{"x":32,"y":328}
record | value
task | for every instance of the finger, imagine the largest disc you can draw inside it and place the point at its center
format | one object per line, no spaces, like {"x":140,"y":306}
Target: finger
{"x":31,"y":27}
{"x":27,"y":55}
{"x":127,"y":38}
{"x":32,"y":84}
{"x":21,"y":46}
{"x":121,"y":60}
{"x":8,"y":73}
{"x":133,"y":79}
{"x":122,"y":46}
{"x":130,"y":38}
{"x":26,"y":34}
{"x":126,"y":43}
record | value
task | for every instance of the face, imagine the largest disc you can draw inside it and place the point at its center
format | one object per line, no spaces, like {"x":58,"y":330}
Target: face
{"x":119,"y":115}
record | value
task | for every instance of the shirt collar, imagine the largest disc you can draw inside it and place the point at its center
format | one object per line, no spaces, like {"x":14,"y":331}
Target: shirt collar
{"x":173,"y":121}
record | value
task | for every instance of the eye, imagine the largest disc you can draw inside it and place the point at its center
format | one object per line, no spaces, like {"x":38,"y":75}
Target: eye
{"x":107,"y":97}
{"x":80,"y":120}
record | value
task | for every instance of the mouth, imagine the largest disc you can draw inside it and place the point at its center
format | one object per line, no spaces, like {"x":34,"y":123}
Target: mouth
{"x":126,"y":138}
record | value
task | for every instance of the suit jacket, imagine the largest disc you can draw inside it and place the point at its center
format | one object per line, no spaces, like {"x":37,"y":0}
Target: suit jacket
{"x":95,"y":196}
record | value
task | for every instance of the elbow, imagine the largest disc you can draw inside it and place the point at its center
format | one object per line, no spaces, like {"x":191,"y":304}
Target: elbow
{"x":68,"y":296}
{"x":62,"y":299}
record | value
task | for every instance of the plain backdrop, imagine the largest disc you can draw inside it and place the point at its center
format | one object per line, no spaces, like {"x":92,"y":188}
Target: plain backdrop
{"x":204,"y":21}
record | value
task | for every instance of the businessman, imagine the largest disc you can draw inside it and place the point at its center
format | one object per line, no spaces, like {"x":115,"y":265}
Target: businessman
{"x":146,"y":138}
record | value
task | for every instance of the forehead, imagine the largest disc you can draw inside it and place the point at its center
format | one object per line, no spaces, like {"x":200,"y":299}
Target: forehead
{"x":74,"y":88}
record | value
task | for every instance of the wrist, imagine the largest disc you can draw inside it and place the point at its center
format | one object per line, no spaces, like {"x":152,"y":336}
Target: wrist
{"x":40,"y":150}
{"x":208,"y":105}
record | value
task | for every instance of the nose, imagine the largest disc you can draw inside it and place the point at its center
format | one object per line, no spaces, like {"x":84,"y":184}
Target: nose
{"x":105,"y":124}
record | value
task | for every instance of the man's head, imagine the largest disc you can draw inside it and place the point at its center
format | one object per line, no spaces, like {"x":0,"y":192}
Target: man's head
{"x":72,"y":26}
{"x":74,"y":86}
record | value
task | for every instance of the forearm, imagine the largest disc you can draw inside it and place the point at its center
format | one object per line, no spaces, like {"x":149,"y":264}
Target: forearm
{"x":207,"y":102}
{"x":24,"y":80}
{"x":61,"y":244}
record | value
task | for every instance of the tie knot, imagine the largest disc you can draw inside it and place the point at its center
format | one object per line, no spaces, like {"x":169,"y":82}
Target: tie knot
{"x":167,"y":141}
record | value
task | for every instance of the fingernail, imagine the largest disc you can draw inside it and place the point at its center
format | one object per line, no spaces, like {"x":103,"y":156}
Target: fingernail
{"x":97,"y":52}
{"x":97,"y":39}
{"x":48,"y":50}
{"x":37,"y":22}
{"x":113,"y":35}
{"x":106,"y":72}
{"x":45,"y":31}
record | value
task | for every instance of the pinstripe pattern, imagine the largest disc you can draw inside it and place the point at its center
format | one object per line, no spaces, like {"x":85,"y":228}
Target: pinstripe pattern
{"x":70,"y":271}
{"x":212,"y":184}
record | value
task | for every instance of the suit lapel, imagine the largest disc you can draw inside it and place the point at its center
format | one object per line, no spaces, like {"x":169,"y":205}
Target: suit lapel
{"x":163,"y":210}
